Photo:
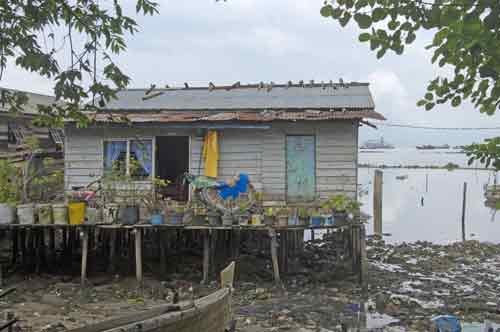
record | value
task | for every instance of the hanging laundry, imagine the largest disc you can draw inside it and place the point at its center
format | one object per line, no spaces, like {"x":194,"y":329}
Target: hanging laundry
{"x":211,"y":154}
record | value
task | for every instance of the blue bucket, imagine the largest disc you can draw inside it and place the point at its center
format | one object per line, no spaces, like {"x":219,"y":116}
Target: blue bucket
{"x":157,"y":219}
{"x":316,"y":221}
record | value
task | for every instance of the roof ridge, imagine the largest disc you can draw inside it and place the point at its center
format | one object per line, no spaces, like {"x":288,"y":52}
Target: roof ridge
{"x":252,"y":86}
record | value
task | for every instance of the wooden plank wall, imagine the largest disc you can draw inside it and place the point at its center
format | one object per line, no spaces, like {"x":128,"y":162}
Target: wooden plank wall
{"x":260,"y":153}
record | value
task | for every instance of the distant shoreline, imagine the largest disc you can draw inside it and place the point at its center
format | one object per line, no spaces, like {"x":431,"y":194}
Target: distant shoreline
{"x":449,"y":167}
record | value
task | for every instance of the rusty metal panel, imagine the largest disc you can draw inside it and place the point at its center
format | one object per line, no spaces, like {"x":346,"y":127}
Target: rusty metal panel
{"x":300,"y":168}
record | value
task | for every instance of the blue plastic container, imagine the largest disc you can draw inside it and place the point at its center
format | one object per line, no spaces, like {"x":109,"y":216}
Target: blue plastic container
{"x":157,"y":219}
{"x":316,"y":221}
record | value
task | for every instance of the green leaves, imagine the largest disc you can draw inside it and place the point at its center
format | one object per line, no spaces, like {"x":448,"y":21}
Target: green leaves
{"x":364,"y":37}
{"x":364,"y":21}
{"x":104,"y":31}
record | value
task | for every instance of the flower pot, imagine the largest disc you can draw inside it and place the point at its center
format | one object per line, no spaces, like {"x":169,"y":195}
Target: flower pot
{"x":175,"y":218}
{"x":199,"y":220}
{"x":227,"y":220}
{"x":282,"y":221}
{"x":242,"y":219}
{"x":256,"y":220}
{"x":340,"y":218}
{"x":214,"y":219}
{"x":76,"y":211}
{"x":157,"y":219}
{"x":128,"y":215}
{"x":329,"y":221}
{"x":110,"y":213}
{"x":60,"y":214}
{"x":91,"y":215}
{"x":303,"y":221}
{"x":316,"y":221}
{"x":44,"y":212}
{"x":293,"y":221}
{"x":269,"y":220}
{"x":26,"y":214}
{"x":7,"y":214}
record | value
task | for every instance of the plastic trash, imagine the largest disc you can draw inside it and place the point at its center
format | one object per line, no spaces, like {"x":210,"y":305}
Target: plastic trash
{"x":447,"y":323}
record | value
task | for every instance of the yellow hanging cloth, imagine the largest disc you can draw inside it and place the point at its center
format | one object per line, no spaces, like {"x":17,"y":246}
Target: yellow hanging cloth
{"x":211,"y":154}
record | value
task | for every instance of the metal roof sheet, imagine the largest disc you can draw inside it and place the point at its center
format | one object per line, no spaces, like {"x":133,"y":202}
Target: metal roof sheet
{"x":242,"y":116}
{"x":316,"y":96}
{"x":34,"y":99}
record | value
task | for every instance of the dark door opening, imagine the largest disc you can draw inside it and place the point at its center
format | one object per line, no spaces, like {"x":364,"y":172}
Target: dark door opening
{"x":172,"y":161}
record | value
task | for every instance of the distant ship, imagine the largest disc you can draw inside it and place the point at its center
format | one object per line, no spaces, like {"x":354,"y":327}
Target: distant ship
{"x":432,"y":147}
{"x":376,"y":144}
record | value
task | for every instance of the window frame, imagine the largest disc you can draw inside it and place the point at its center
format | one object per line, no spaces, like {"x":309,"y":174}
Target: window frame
{"x":128,"y":141}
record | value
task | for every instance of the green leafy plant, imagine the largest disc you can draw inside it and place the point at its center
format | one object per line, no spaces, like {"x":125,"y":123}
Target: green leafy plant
{"x":466,"y":38}
{"x":10,"y":183}
{"x":151,"y":198}
{"x":38,"y":35}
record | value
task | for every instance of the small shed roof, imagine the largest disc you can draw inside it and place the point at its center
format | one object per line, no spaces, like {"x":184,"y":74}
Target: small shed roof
{"x":246,"y":97}
{"x":34,"y":99}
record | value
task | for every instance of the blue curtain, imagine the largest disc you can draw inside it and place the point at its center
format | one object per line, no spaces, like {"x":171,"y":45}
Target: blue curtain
{"x":143,"y":151}
{"x":112,"y":151}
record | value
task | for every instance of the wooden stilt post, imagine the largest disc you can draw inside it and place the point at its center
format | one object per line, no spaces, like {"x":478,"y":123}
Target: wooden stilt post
{"x":163,"y":249}
{"x":112,"y":251}
{"x":274,"y":256}
{"x":364,"y":259}
{"x":85,"y":248}
{"x":138,"y":254}
{"x":464,"y":205}
{"x":15,"y":246}
{"x":206,"y":255}
{"x":377,"y":203}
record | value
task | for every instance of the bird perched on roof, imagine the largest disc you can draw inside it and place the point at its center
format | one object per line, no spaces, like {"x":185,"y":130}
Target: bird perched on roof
{"x":236,"y":85}
{"x":211,"y":86}
{"x":260,"y":86}
{"x":311,"y":83}
{"x":301,"y":83}
{"x":289,"y":84}
{"x":341,"y":81}
{"x":186,"y":85}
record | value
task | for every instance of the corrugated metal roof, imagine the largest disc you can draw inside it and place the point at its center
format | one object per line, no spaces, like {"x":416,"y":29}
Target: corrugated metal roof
{"x":34,"y":99}
{"x":243,"y":116}
{"x":249,"y":97}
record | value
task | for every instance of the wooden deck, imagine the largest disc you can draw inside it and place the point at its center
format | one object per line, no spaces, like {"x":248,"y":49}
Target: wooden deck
{"x":282,"y":242}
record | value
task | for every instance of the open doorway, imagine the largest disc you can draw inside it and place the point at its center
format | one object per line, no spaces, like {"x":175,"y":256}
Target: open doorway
{"x":172,"y":161}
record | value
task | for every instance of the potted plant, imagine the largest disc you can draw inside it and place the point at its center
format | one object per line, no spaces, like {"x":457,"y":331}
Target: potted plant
{"x":353,"y":208}
{"x":293,"y":218}
{"x":213,"y":218}
{"x":9,"y":192}
{"x":282,"y":216}
{"x":242,"y":214}
{"x":269,"y":216}
{"x":303,"y":214}
{"x":175,"y":214}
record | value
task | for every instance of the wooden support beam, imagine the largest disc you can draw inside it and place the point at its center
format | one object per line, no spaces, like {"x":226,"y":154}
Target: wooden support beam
{"x":364,"y":260}
{"x":206,"y":255}
{"x":138,"y":254}
{"x":112,"y":251}
{"x":377,"y":203}
{"x":274,"y":256}
{"x":85,"y":248}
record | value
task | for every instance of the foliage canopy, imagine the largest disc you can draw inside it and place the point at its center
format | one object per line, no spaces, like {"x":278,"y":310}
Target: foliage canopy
{"x":466,"y":37}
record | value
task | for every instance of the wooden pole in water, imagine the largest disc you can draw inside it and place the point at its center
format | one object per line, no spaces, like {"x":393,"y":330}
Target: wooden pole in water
{"x":426,"y":183}
{"x":377,"y":203}
{"x":464,"y":202}
{"x":206,"y":255}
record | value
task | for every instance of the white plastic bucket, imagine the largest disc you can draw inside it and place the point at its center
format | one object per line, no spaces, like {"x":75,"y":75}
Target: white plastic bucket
{"x":60,"y":213}
{"x":110,"y":213}
{"x":44,"y":212}
{"x":26,"y":214}
{"x":7,"y":214}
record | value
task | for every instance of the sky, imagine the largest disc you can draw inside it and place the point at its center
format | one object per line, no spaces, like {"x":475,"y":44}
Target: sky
{"x":201,"y":41}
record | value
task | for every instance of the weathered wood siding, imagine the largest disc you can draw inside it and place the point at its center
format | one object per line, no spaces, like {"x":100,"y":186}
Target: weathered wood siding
{"x":260,"y":153}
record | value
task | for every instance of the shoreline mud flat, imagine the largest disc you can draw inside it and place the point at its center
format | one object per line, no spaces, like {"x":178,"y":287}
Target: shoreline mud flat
{"x":408,"y":285}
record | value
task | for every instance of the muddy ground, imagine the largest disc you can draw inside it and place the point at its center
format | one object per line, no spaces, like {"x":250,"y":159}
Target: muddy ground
{"x":409,"y":284}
